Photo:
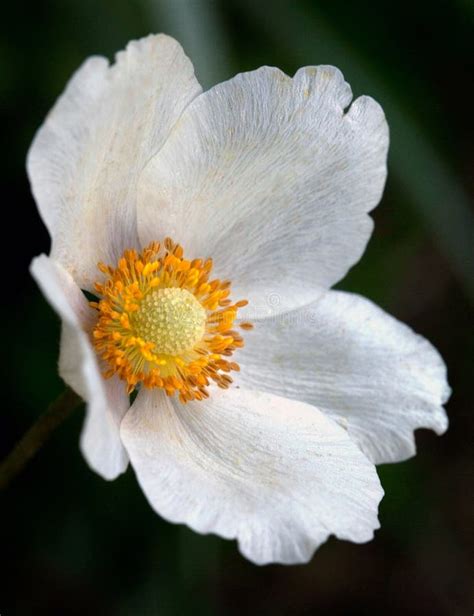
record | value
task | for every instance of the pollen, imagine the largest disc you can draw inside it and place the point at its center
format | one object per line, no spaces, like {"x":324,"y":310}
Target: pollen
{"x":162,"y":322}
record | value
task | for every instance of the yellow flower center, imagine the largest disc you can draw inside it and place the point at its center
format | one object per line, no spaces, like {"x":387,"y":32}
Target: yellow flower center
{"x":172,"y":319}
{"x":163,"y":323}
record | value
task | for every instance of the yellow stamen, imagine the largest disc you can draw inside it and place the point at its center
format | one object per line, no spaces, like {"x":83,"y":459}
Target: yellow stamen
{"x":163,"y":323}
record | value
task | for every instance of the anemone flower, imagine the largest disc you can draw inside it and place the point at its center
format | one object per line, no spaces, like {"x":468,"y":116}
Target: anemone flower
{"x":155,"y":196}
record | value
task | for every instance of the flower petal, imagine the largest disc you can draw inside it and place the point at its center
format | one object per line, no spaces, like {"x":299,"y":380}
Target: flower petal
{"x":358,"y":364}
{"x":273,"y":179}
{"x":275,"y":474}
{"x":85,"y":160}
{"x":106,"y":400}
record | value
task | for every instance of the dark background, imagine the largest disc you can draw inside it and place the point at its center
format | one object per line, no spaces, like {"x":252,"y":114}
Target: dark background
{"x":72,"y":543}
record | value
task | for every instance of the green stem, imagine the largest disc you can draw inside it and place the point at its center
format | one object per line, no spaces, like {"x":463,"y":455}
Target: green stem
{"x":37,"y":435}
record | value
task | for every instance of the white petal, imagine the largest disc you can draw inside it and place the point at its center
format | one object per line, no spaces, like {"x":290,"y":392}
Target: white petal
{"x":85,"y":160}
{"x":358,"y":364}
{"x":275,"y":474}
{"x":273,"y":179}
{"x":106,"y":400}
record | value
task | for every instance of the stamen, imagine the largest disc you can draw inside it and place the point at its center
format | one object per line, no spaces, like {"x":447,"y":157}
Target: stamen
{"x":163,"y":323}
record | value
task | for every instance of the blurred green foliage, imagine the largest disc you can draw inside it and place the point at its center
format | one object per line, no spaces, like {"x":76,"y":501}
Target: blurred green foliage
{"x":73,"y":543}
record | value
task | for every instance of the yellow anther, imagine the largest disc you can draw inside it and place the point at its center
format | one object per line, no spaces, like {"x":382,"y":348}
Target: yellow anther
{"x":163,"y":323}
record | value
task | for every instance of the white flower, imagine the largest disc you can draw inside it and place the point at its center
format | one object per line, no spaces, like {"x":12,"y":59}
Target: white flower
{"x":273,"y":178}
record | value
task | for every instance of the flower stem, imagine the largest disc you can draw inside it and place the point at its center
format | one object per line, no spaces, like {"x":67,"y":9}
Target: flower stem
{"x":37,"y":435}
